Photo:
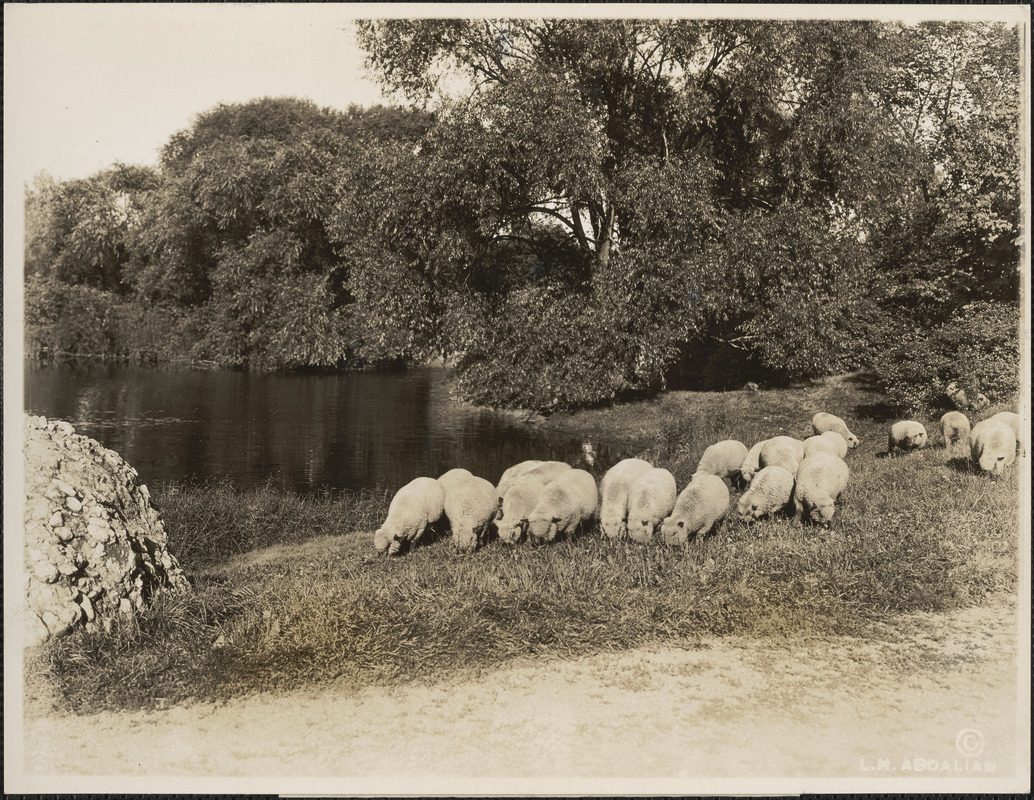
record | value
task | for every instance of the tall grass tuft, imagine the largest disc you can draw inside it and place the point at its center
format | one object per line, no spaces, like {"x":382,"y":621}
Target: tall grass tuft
{"x":212,"y":520}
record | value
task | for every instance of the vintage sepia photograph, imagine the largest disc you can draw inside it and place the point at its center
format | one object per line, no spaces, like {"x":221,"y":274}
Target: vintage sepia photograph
{"x":585,"y":399}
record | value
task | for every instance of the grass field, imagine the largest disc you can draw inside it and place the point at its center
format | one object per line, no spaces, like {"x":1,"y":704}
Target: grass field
{"x":289,"y":592}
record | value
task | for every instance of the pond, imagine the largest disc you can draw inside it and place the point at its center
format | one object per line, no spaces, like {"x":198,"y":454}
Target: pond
{"x":302,"y":433}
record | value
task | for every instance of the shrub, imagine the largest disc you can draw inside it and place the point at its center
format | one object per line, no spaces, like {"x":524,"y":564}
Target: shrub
{"x":72,"y":320}
{"x":553,"y":347}
{"x":979,"y":350}
{"x":790,"y":288}
{"x":84,"y":322}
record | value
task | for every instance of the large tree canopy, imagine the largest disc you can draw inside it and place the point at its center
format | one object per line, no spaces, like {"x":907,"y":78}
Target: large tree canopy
{"x":593,"y":206}
{"x":598,"y":123}
{"x":793,"y":175}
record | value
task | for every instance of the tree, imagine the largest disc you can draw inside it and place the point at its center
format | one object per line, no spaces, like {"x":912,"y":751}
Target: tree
{"x":955,"y":95}
{"x":80,"y":231}
{"x":241,"y":227}
{"x":664,"y":140}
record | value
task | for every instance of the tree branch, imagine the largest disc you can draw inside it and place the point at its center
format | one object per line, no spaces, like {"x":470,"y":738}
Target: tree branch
{"x":533,"y":209}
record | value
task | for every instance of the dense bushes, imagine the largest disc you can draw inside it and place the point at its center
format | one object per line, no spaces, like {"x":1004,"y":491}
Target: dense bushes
{"x":84,"y":322}
{"x":979,"y":350}
{"x":551,"y":347}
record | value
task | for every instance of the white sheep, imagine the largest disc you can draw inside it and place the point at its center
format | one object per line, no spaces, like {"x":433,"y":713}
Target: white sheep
{"x":453,"y":476}
{"x":823,"y":422}
{"x":548,"y":470}
{"x":769,"y":492}
{"x":614,"y":495}
{"x":992,"y":446}
{"x":838,"y":440}
{"x":723,"y":459}
{"x":782,"y":451}
{"x":954,"y":428}
{"x":750,"y":465}
{"x":651,"y":498}
{"x":962,"y":401}
{"x":471,"y":504}
{"x":820,"y":480}
{"x":513,"y":473}
{"x":906,"y":435}
{"x":567,"y":502}
{"x":822,"y":444}
{"x":699,"y":507}
{"x":414,"y":508}
{"x":516,"y":506}
{"x":1012,"y":419}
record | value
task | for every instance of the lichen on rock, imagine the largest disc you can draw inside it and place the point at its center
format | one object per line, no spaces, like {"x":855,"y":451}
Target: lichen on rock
{"x":95,"y":547}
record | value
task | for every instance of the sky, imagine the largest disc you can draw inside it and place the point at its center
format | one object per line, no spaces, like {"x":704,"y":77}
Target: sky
{"x":90,"y":84}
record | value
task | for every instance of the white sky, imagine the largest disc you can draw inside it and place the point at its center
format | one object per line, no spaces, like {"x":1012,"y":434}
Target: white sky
{"x":86,"y":85}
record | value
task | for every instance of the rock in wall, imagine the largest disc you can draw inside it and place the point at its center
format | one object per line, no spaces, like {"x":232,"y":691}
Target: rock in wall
{"x":94,"y":545}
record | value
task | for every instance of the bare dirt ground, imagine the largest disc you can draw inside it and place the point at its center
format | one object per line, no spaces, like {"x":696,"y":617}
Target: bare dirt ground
{"x":729,"y":707}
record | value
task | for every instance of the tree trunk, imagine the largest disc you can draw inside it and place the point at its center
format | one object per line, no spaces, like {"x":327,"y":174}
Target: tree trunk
{"x":603,"y":251}
{"x":579,"y":229}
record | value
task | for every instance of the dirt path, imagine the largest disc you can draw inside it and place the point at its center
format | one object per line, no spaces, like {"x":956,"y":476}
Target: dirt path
{"x":796,"y":708}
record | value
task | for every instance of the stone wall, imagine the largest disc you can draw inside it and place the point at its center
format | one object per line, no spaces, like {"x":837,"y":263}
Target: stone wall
{"x":94,"y":545}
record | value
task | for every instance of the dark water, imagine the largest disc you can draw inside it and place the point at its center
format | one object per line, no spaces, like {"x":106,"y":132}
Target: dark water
{"x":302,"y":432}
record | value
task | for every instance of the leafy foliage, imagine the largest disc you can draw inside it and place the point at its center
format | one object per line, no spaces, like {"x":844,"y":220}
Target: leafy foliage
{"x":85,"y":322}
{"x":788,"y":289}
{"x":593,"y":207}
{"x":78,"y":232}
{"x":550,"y":348}
{"x":979,"y":351}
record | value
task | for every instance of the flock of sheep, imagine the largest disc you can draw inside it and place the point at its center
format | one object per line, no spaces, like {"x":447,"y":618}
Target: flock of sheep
{"x":541,"y":500}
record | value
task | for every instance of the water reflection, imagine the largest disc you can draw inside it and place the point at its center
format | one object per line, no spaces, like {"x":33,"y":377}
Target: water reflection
{"x":302,"y":432}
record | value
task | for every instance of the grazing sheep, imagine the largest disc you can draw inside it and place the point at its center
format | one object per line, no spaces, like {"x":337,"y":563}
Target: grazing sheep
{"x":1012,"y":419}
{"x":454,"y":476}
{"x":517,"y":504}
{"x":699,"y":507}
{"x":954,"y":428}
{"x":823,"y":422}
{"x":820,"y":480}
{"x":471,"y":503}
{"x":839,"y":441}
{"x":769,"y":492}
{"x":566,"y":502}
{"x":723,"y":459}
{"x":782,"y":451}
{"x":651,"y":498}
{"x":548,"y":470}
{"x":513,"y":473}
{"x":962,"y":401}
{"x":822,"y":444}
{"x":750,"y":466}
{"x":614,"y":495}
{"x":906,"y":435}
{"x":992,"y":446}
{"x":416,"y":506}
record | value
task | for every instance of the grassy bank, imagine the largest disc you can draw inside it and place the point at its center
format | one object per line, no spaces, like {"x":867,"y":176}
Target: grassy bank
{"x":289,"y":592}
